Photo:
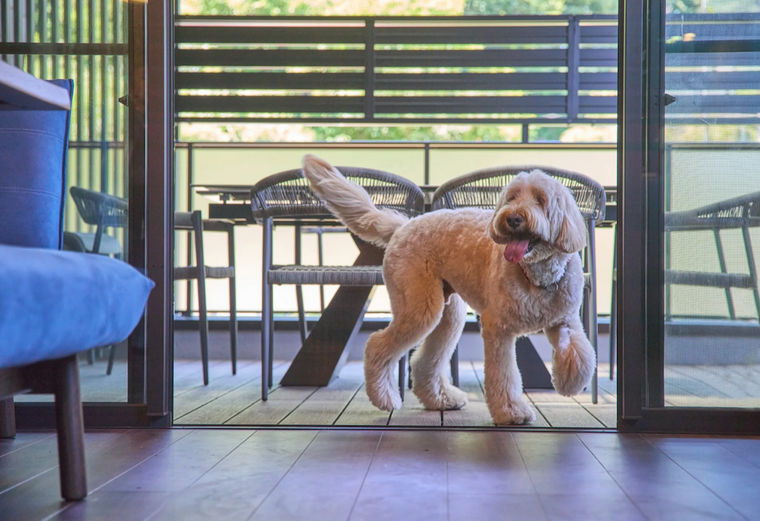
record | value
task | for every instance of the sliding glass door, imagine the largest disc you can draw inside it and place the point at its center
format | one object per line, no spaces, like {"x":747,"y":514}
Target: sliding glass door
{"x":691,"y":176}
{"x":117,"y":55}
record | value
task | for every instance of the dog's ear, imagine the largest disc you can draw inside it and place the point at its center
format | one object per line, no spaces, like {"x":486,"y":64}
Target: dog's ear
{"x":571,"y":236}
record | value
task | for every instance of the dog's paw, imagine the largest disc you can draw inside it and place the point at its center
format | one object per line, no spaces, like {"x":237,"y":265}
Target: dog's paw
{"x":447,"y":398}
{"x":573,"y":366}
{"x":384,"y":397}
{"x":515,"y":413}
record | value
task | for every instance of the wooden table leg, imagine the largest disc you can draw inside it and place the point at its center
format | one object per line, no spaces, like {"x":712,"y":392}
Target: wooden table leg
{"x":532,"y":367}
{"x":324,"y":352}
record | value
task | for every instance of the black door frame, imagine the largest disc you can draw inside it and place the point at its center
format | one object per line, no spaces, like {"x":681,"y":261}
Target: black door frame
{"x":150,"y":153}
{"x":640,"y":248}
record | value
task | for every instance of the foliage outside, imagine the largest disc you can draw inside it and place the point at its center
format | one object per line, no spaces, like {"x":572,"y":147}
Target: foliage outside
{"x":586,"y":133}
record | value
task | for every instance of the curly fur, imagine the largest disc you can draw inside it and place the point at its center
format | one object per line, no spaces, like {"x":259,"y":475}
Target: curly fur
{"x":516,"y":266}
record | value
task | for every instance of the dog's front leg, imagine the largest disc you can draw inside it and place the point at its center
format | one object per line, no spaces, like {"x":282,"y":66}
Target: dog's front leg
{"x":573,"y":360}
{"x":503,"y":382}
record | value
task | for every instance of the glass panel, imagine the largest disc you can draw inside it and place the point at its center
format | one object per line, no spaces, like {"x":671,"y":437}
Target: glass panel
{"x":712,"y":205}
{"x":87,"y":42}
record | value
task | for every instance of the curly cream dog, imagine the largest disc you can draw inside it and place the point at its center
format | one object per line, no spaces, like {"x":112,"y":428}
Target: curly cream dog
{"x":518,"y":267}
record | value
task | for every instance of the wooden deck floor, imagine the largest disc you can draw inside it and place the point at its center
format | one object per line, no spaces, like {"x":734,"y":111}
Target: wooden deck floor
{"x":234,"y":400}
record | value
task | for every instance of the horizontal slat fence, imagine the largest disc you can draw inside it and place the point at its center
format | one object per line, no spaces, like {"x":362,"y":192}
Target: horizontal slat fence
{"x":532,"y":69}
{"x":415,"y":69}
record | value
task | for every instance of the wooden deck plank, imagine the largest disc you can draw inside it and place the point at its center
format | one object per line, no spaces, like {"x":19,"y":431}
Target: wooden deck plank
{"x":569,"y":415}
{"x":199,"y":395}
{"x":475,"y":413}
{"x":539,"y":422}
{"x":360,"y":411}
{"x":327,"y":403}
{"x":282,"y":400}
{"x":716,"y":378}
{"x":225,"y":406}
{"x":188,"y":373}
{"x":412,"y":413}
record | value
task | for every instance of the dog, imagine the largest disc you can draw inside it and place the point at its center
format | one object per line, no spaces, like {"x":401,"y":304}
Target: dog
{"x":517,"y":266}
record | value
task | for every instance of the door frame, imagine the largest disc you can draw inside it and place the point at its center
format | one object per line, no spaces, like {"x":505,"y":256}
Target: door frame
{"x":640,"y":245}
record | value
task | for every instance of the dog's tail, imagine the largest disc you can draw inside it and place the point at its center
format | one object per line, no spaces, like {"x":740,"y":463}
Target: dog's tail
{"x":351,"y":203}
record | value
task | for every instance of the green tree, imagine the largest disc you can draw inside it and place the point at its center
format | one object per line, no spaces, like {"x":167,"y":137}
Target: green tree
{"x":507,"y":7}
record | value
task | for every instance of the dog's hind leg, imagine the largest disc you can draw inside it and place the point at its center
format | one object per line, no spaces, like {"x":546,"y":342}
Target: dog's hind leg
{"x":503,"y":381}
{"x":430,"y":363}
{"x":415,"y":314}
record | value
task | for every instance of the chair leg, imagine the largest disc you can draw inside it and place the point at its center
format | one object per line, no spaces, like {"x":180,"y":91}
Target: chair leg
{"x":270,"y":364}
{"x":591,"y":311}
{"x":203,"y":326}
{"x":299,"y":289}
{"x":409,"y":367}
{"x":233,"y":326}
{"x":70,"y":423}
{"x":301,"y":314}
{"x":7,"y":418}
{"x":266,"y":306}
{"x":455,"y":366}
{"x":266,"y":335}
{"x":320,"y":260}
{"x":111,"y":354}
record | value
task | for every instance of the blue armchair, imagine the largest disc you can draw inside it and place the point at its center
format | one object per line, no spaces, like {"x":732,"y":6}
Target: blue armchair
{"x":53,"y":303}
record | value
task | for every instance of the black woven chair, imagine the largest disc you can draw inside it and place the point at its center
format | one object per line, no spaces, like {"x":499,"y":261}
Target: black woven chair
{"x":481,"y":189}
{"x":740,"y":213}
{"x":195,"y":225}
{"x":102,"y":211}
{"x":285,"y":198}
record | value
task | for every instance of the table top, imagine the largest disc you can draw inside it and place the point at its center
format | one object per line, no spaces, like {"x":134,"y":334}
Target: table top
{"x":21,"y":90}
{"x":223,"y":193}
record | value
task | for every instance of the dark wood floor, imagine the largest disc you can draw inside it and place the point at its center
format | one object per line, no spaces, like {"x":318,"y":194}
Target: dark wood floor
{"x":273,"y":475}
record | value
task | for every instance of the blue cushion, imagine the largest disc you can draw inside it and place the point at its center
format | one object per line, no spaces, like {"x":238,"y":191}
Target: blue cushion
{"x":33,"y":145}
{"x":55,"y":303}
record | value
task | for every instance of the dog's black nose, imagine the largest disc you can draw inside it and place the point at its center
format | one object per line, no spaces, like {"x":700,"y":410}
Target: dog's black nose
{"x":515,"y":221}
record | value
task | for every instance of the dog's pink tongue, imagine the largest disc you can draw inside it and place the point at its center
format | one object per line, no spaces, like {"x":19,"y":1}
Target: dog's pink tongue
{"x":515,"y":250}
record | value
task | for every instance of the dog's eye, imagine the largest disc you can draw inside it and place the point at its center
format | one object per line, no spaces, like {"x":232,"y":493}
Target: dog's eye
{"x":541,"y":200}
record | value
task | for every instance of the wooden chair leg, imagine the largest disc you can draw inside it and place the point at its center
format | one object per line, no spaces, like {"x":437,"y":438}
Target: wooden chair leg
{"x":68,"y":410}
{"x":7,"y":418}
